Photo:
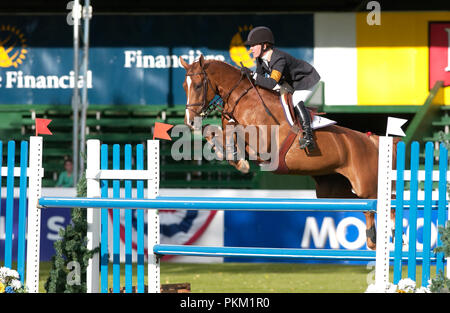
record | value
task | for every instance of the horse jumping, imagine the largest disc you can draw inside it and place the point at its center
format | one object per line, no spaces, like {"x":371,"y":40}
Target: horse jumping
{"x":344,"y":163}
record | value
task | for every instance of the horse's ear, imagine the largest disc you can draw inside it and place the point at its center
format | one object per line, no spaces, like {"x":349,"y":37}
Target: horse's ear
{"x":201,"y":60}
{"x":184,"y":63}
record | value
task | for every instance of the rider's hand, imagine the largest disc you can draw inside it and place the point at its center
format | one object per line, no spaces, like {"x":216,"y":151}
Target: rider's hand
{"x":246,"y":71}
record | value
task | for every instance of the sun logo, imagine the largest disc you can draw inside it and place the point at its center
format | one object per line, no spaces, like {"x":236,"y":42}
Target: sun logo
{"x":12,"y":46}
{"x":238,"y":51}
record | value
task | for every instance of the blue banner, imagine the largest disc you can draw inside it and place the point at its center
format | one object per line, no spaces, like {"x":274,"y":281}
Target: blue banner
{"x":307,"y":230}
{"x":133,"y":59}
{"x":52,"y":220}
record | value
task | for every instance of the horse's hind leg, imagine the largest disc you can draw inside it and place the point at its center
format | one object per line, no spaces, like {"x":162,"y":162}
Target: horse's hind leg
{"x":338,"y":186}
{"x":333,"y":186}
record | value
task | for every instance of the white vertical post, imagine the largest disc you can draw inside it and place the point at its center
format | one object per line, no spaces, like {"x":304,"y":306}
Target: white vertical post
{"x":153,"y":216}
{"x":93,"y":215}
{"x":383,"y":212}
{"x":35,"y":171}
{"x":76,"y":10}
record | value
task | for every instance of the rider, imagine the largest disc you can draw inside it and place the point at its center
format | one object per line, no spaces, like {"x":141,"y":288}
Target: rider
{"x":275,"y":68}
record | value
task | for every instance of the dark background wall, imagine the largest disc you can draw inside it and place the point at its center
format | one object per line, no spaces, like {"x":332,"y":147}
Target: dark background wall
{"x":222,"y":6}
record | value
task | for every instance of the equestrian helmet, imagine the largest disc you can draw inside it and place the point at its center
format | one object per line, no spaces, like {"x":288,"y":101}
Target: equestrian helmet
{"x":260,"y":35}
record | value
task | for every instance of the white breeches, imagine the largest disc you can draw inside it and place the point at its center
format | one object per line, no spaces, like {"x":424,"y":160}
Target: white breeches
{"x":301,"y":95}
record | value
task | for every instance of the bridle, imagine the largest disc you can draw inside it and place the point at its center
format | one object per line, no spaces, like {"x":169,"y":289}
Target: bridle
{"x":217,"y":103}
{"x":208,"y":107}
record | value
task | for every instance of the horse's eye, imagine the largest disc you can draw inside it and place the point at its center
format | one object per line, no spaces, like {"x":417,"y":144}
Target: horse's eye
{"x":198,"y":86}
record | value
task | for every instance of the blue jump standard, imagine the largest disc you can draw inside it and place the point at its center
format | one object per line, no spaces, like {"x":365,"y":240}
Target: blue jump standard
{"x":210,"y":203}
{"x":355,"y":255}
{"x":216,"y":203}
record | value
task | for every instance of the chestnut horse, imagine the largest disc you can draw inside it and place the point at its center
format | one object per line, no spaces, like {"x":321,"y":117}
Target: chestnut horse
{"x":344,"y":163}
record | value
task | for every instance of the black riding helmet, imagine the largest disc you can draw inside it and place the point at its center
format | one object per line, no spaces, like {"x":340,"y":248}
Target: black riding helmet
{"x":259,"y":35}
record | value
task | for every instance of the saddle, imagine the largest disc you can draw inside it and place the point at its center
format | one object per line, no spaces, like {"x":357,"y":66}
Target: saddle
{"x":286,"y":102}
{"x":296,"y":128}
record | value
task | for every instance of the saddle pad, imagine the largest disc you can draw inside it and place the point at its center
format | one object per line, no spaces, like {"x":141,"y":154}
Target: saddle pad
{"x":287,"y":108}
{"x":318,"y":121}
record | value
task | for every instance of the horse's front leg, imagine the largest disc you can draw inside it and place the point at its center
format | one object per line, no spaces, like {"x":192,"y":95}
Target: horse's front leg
{"x":215,"y":140}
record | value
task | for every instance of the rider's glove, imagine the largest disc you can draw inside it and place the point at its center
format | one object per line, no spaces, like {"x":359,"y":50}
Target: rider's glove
{"x":246,"y":71}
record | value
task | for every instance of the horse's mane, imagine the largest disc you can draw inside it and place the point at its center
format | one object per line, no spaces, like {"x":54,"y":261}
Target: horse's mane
{"x":222,"y":63}
{"x":237,"y":70}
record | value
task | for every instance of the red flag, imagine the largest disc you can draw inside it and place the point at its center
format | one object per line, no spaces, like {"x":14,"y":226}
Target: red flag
{"x":41,"y":126}
{"x":160,"y":131}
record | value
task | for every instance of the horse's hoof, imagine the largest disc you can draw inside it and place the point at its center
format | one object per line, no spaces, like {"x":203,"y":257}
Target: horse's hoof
{"x":243,"y":166}
{"x":371,"y":245}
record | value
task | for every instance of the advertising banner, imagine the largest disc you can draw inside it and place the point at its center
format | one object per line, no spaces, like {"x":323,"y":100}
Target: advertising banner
{"x":133,"y":59}
{"x":307,"y":230}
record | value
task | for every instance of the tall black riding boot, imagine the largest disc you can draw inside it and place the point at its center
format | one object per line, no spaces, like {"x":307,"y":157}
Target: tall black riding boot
{"x":307,"y":141}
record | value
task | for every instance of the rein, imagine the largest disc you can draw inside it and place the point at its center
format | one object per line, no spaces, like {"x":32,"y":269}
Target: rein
{"x":262,"y":101}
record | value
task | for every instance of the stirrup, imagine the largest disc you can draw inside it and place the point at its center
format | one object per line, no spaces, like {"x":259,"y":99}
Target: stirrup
{"x":306,"y":143}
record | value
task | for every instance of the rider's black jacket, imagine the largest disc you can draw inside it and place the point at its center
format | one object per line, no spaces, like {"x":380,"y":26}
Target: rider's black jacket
{"x":283,"y":67}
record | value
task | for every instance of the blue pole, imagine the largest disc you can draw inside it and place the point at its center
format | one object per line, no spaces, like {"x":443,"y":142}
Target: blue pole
{"x":140,"y":222}
{"x":116,"y":223}
{"x":212,"y":203}
{"x":443,"y":165}
{"x":360,"y":255}
{"x":400,"y":186}
{"x":429,"y":157}
{"x":9,"y":204}
{"x":104,"y":226}
{"x":22,"y":210}
{"x":128,"y":227}
{"x":414,"y":187}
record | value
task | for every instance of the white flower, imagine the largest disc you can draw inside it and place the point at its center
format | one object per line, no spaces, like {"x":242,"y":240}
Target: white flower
{"x":423,"y":290}
{"x":15,"y":284}
{"x":3,"y":272}
{"x":407,"y":285}
{"x":13,"y":274}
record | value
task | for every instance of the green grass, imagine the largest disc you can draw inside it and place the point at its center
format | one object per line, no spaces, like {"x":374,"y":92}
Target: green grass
{"x":260,"y":277}
{"x":266,"y":277}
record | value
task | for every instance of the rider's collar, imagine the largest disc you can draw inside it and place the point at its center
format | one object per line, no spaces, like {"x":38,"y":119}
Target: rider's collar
{"x":266,"y":57}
